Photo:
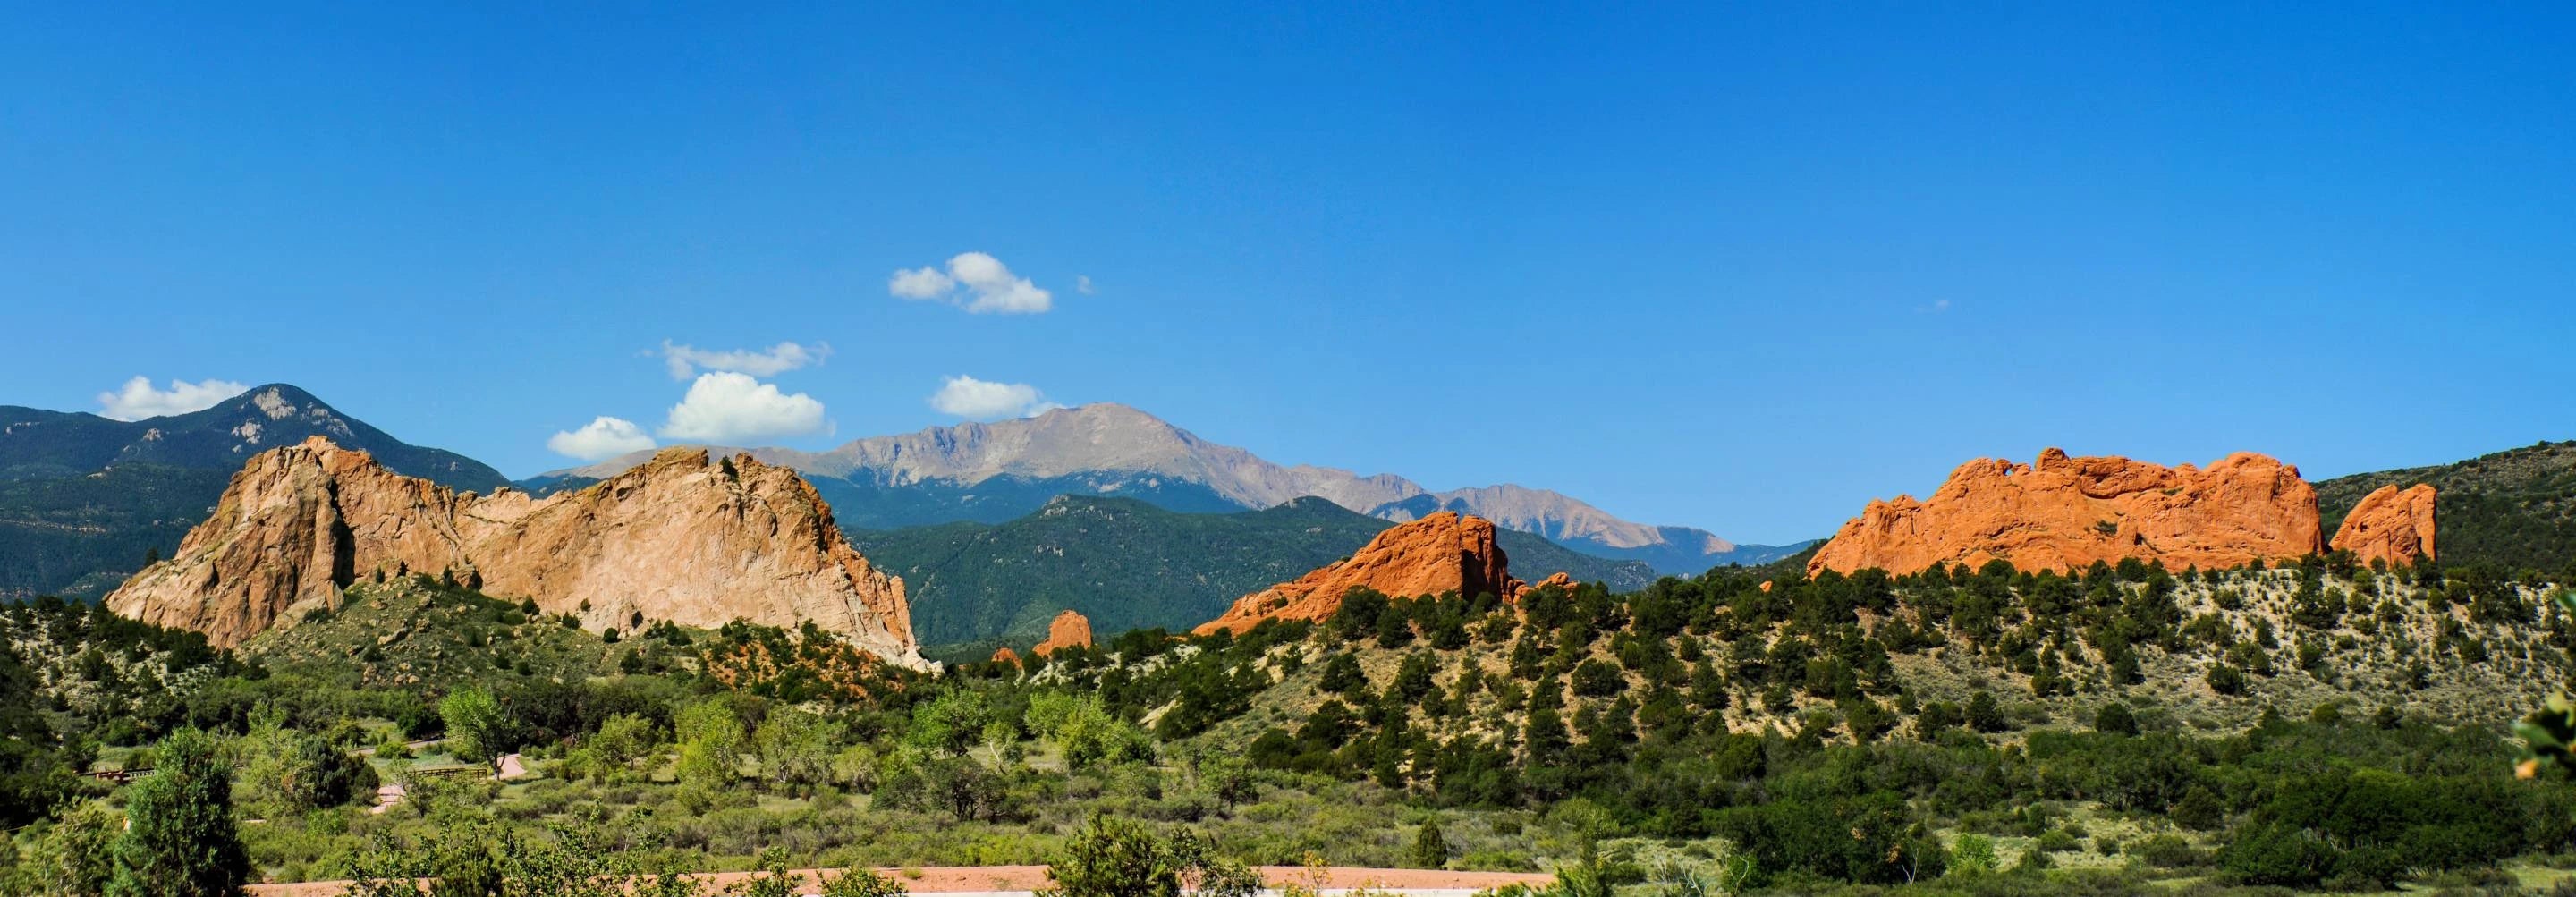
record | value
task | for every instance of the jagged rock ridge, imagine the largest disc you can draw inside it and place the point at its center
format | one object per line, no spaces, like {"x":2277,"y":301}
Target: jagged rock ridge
{"x":1443,"y":552}
{"x":2065,"y":513}
{"x":679,"y":538}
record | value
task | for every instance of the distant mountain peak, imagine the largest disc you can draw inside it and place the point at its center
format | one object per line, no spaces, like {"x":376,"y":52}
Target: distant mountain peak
{"x":1113,"y":449}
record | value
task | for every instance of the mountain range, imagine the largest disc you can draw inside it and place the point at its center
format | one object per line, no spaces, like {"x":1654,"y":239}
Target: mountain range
{"x":1128,"y":564}
{"x":990,"y":473}
{"x":85,"y":499}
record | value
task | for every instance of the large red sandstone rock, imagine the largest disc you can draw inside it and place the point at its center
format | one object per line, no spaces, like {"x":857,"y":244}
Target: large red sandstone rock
{"x":1068,"y":630}
{"x":677,"y":538}
{"x":2063,"y":513}
{"x":1439,"y":553}
{"x":2389,"y":524}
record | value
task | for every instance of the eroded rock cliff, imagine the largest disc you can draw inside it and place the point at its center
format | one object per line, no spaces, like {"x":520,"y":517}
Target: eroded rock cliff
{"x":680,"y":538}
{"x":2064,"y":513}
{"x":2390,"y":524}
{"x":1438,"y":553}
{"x":1067,"y":630}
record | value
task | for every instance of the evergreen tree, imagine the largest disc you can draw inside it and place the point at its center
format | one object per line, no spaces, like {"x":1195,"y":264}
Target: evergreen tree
{"x":1430,"y":850}
{"x":180,"y":840}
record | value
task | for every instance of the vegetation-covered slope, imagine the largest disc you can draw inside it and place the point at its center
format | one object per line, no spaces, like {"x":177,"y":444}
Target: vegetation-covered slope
{"x":2514,"y":509}
{"x":1127,"y":564}
{"x":1832,"y":728}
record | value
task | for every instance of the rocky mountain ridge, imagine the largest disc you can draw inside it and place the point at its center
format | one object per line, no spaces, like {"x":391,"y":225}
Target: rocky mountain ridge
{"x":1111,"y":449}
{"x":35,"y":443}
{"x":682,"y":538}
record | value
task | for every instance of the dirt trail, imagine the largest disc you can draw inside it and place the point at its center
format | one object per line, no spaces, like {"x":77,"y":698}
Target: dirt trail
{"x":1021,"y":879}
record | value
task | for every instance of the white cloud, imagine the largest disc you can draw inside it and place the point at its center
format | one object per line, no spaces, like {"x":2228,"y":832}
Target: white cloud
{"x":687,"y":360}
{"x":976,"y":282}
{"x":925,"y":283}
{"x":138,"y":400}
{"x":603,"y":438}
{"x":728,"y":406}
{"x":1082,"y":284}
{"x":968,"y":397}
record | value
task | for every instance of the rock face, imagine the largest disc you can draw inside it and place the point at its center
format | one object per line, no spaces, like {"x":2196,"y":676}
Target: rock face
{"x":2389,"y":524}
{"x":1438,"y":553}
{"x":1068,"y":630}
{"x":1004,"y":654}
{"x":2063,"y":513}
{"x":678,"y":538}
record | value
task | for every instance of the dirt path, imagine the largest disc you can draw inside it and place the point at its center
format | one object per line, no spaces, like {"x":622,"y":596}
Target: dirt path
{"x":1023,"y":879}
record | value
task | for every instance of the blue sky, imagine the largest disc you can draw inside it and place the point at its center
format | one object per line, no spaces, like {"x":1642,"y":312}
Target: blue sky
{"x":1738,"y":267}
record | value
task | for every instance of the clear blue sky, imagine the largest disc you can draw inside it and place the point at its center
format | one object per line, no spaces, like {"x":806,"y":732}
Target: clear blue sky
{"x":1739,"y":267}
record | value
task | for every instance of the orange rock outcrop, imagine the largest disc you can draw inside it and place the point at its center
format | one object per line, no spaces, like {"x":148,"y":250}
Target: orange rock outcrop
{"x":1439,"y":553}
{"x":678,"y":538}
{"x":1068,"y":630}
{"x":2390,"y":525}
{"x":2063,"y":513}
{"x":1004,"y":654}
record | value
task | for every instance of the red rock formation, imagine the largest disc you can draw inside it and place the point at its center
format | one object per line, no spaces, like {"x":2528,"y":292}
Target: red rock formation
{"x":2391,"y":525}
{"x":1439,"y":553}
{"x":1560,"y":579}
{"x":2063,"y":513}
{"x":677,"y":538}
{"x":1004,"y":654}
{"x":1068,"y":630}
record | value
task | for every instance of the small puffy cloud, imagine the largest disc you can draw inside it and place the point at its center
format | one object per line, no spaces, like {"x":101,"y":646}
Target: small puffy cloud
{"x":686,"y":360}
{"x":968,"y":397}
{"x":973,"y":281}
{"x":138,"y":400}
{"x":603,"y":438}
{"x":1082,"y":284}
{"x":732,"y":407}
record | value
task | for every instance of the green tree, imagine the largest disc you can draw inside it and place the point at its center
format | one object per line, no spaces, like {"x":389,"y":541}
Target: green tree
{"x":1430,"y":850}
{"x":1112,"y":857}
{"x":69,"y":856}
{"x":474,"y":722}
{"x":180,"y":840}
{"x":2115,"y":719}
{"x":862,"y":883}
{"x":1342,"y":674}
{"x":1984,"y":715}
{"x":949,"y":723}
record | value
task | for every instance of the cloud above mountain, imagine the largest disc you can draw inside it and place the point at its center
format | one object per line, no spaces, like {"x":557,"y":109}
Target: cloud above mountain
{"x":974,"y":281}
{"x":685,"y":360}
{"x":967,"y":397}
{"x":729,"y":406}
{"x":603,"y":438}
{"x":137,"y":399}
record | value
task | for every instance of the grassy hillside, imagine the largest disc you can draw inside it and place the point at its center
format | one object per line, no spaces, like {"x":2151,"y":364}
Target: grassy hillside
{"x":2513,"y":509}
{"x":1127,"y":564}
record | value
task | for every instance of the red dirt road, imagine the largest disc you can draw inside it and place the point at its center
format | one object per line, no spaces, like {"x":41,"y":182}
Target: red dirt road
{"x":954,"y":879}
